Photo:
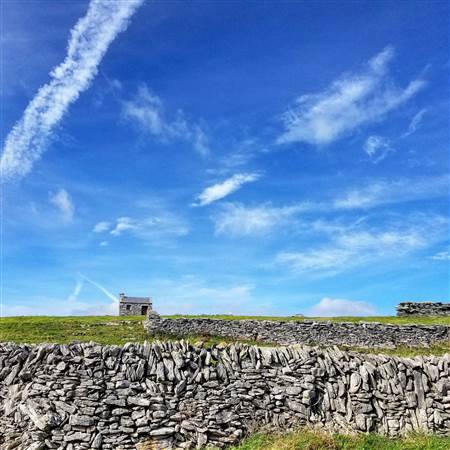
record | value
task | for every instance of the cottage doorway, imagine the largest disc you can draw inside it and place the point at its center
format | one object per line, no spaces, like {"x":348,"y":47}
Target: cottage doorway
{"x":144,"y":310}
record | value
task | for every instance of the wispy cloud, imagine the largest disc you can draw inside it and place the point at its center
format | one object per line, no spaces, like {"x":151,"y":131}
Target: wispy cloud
{"x":64,"y":203}
{"x":147,"y":111}
{"x":161,"y":225}
{"x":333,"y":307}
{"x":44,"y":306}
{"x":235,"y":219}
{"x":221,"y":190}
{"x":193,"y":295}
{"x":415,"y":123}
{"x":101,"y":227}
{"x":441,"y":256}
{"x":377,"y":148}
{"x":324,"y":260}
{"x":348,"y":247}
{"x":125,"y":224}
{"x":88,"y":43}
{"x":242,"y":152}
{"x":384,"y":192}
{"x":353,"y":100}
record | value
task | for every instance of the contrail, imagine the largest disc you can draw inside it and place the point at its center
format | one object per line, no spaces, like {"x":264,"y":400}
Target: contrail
{"x":89,"y":40}
{"x":100,"y":287}
{"x":73,"y":297}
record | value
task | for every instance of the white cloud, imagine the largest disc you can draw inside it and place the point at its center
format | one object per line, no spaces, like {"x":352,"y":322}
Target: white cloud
{"x":384,"y":192}
{"x":377,"y":148}
{"x":415,"y":123}
{"x":358,"y":244}
{"x":384,"y":242}
{"x":101,"y":227}
{"x":124,"y":224}
{"x":441,"y":256}
{"x":146,"y":110}
{"x":227,"y":187}
{"x":63,"y":202}
{"x":162,"y":225}
{"x":368,"y":197}
{"x":351,"y":101}
{"x":332,"y":307}
{"x":104,"y":244}
{"x":88,"y":43}
{"x":238,"y":220}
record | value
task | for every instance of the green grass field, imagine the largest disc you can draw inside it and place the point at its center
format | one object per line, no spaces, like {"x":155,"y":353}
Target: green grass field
{"x":312,"y":440}
{"x":119,"y":330}
{"x":63,"y":330}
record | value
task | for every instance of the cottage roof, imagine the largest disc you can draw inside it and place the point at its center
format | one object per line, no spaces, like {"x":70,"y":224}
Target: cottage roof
{"x":145,"y":300}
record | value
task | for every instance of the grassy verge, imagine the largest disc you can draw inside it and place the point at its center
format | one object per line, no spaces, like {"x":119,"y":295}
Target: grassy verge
{"x":312,"y":440}
{"x":434,"y":349}
{"x":63,"y":330}
{"x":119,"y":330}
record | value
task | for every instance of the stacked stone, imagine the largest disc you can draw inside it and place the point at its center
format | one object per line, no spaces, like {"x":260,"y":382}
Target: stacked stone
{"x":368,"y":334}
{"x":174,"y":395}
{"x":423,"y":309}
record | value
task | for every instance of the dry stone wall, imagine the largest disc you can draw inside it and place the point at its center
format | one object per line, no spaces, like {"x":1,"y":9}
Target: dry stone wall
{"x":423,"y":309}
{"x":174,"y":395}
{"x":367,"y":334}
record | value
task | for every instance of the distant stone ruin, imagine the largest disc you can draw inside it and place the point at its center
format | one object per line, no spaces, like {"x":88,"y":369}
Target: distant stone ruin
{"x":135,"y":306}
{"x":423,"y":309}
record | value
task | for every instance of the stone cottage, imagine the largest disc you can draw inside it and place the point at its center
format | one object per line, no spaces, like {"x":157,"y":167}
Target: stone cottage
{"x":134,"y":306}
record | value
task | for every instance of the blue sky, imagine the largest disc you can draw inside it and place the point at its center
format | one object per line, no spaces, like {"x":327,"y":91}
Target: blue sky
{"x":224,"y":157}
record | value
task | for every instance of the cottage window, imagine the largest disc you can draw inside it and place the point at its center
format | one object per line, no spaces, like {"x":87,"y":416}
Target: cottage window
{"x":128,"y":307}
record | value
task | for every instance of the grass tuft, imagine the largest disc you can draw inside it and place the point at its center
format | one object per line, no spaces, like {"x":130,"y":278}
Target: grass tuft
{"x":318,"y":440}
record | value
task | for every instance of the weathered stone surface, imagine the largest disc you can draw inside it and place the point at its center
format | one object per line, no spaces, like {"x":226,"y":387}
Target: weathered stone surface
{"x":423,"y":309}
{"x":138,"y":401}
{"x":84,"y":421}
{"x":188,"y":395}
{"x":97,"y":442}
{"x":162,"y":432}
